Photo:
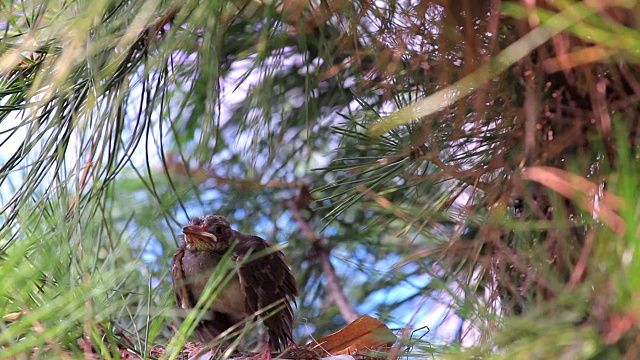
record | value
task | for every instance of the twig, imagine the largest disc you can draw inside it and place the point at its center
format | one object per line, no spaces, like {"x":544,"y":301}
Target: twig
{"x":581,"y":264}
{"x":333,"y":284}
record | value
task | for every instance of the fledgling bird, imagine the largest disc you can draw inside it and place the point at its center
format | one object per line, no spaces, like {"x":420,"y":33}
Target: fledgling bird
{"x":259,"y":283}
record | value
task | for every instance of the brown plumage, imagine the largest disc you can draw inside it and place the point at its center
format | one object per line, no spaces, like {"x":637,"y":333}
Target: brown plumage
{"x":260,"y":282}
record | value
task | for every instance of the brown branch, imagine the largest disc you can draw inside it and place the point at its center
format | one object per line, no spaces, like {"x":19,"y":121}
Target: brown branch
{"x":333,"y":283}
{"x":581,"y":265}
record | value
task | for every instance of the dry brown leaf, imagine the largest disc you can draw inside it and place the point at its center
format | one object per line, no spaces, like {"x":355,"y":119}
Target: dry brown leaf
{"x":577,"y":58}
{"x":10,"y":317}
{"x":363,"y":333}
{"x":582,"y":191}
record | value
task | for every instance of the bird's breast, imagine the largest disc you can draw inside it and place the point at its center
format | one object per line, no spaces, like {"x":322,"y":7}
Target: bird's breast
{"x":231,"y":300}
{"x":198,"y":268}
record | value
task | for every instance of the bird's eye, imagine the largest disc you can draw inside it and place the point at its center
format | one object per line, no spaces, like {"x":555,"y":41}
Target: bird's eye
{"x":218,"y":230}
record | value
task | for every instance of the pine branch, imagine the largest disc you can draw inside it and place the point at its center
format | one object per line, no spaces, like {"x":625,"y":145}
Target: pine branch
{"x":324,"y":254}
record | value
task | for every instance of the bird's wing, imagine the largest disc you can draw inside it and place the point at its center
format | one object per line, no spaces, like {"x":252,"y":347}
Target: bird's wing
{"x":183,"y":297}
{"x":266,"y":280}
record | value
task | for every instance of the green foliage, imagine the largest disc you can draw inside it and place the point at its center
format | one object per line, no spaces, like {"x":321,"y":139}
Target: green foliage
{"x":461,"y":166}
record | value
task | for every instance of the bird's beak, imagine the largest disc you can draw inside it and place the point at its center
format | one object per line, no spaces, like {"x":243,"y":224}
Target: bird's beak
{"x":199,"y":232}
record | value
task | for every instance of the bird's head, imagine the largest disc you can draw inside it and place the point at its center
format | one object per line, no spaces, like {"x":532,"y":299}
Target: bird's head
{"x":209,"y":232}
